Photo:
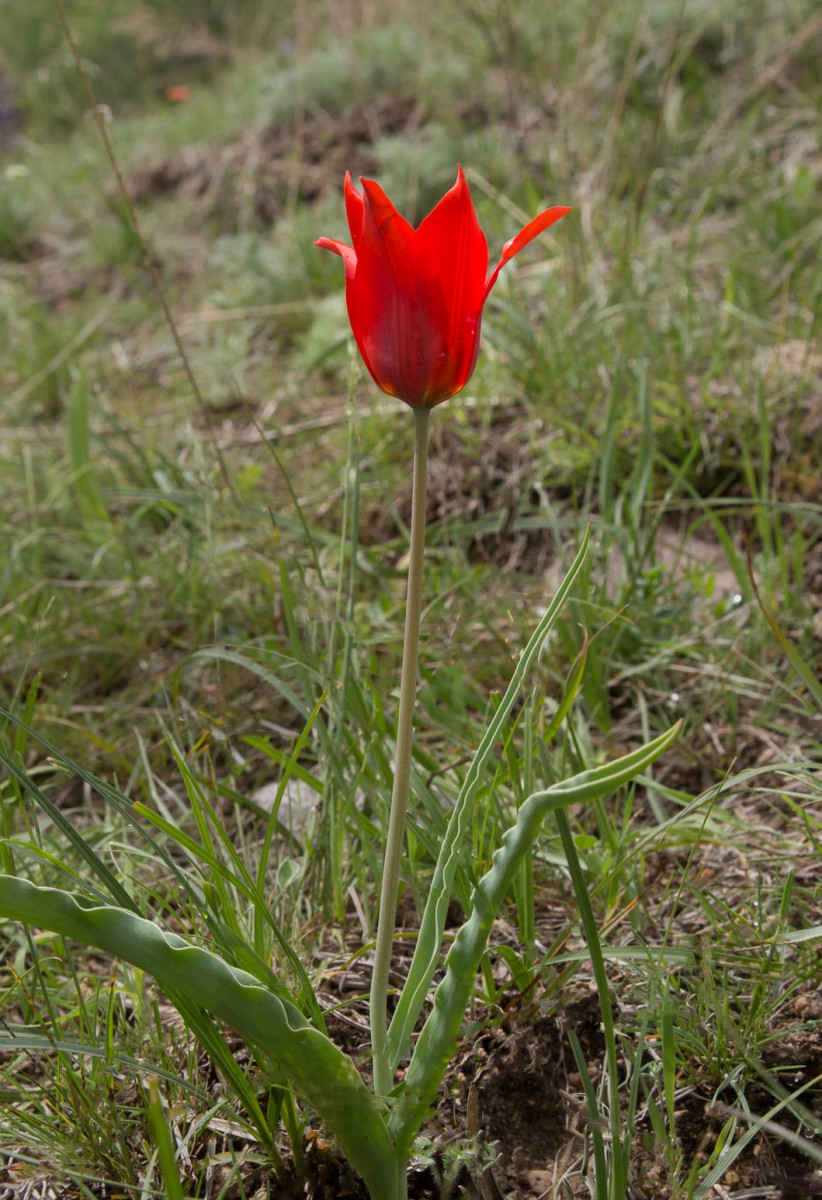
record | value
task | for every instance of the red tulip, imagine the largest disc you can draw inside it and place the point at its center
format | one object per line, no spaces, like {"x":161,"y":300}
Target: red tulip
{"x":415,"y":296}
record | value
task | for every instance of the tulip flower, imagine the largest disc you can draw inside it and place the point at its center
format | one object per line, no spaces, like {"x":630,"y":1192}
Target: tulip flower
{"x":415,"y":299}
{"x":415,"y":296}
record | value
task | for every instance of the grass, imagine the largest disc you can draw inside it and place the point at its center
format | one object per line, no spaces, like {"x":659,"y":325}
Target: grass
{"x":200,"y":598}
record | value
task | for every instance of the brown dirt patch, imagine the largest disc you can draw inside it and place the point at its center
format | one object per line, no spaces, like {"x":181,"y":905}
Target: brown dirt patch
{"x":515,"y":1088}
{"x":271,"y":169}
{"x":488,"y":482}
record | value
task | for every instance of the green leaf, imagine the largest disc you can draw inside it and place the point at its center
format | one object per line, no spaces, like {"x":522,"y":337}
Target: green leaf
{"x":436,"y":1043}
{"x":427,"y":951}
{"x":320,"y":1071}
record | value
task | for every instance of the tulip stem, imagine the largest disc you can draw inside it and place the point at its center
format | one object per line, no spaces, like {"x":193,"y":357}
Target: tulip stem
{"x":383,"y":1075}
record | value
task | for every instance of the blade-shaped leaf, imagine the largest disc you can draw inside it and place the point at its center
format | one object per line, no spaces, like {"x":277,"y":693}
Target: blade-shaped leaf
{"x":426,"y":953}
{"x":437,"y":1041}
{"x":320,"y":1071}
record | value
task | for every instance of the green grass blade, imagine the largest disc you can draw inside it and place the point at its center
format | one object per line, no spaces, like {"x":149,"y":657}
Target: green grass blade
{"x":204,"y":1029}
{"x":805,"y":673}
{"x":569,"y":694}
{"x":668,"y":1035}
{"x":618,"y":1176}
{"x":756,"y":1125}
{"x":242,"y":880}
{"x":289,"y":767}
{"x":84,"y":476}
{"x":74,"y":837}
{"x":169,"y":1167}
{"x":112,"y":795}
{"x":600,"y":1159}
{"x":222,"y":654}
{"x":31,"y":1037}
{"x":524,"y":889}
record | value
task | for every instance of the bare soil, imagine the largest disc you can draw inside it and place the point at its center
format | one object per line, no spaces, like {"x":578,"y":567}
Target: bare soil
{"x":284,"y":162}
{"x":515,"y":1089}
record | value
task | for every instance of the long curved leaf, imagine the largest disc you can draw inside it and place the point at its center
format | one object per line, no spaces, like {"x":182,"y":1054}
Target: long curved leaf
{"x":436,"y":1043}
{"x":429,"y":940}
{"x":320,"y":1071}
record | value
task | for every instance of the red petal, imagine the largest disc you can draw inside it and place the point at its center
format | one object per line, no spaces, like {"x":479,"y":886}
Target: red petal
{"x":451,"y":261}
{"x":526,"y":235}
{"x":347,"y":253}
{"x":353,"y":209}
{"x":383,"y":294}
{"x":383,"y":220}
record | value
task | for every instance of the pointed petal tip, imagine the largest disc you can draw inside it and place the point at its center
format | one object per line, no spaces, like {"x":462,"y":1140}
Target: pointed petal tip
{"x":347,"y":253}
{"x":461,"y":182}
{"x":533,"y":229}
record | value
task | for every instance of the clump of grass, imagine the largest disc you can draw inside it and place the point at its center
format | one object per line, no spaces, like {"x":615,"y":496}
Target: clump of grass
{"x":177,"y":633}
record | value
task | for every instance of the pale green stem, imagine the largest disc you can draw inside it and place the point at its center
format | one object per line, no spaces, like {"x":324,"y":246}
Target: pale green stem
{"x":383,"y":1075}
